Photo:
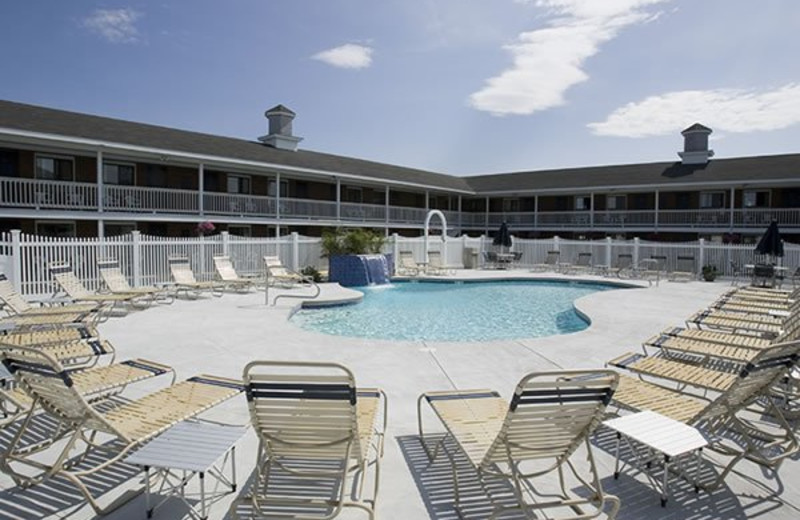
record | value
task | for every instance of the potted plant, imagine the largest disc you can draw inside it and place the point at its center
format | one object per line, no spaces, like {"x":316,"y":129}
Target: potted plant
{"x":350,"y":253}
{"x":710,"y":273}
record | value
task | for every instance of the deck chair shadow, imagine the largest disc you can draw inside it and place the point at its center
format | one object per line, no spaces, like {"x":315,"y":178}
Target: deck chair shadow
{"x":185,"y":281}
{"x":316,"y":429}
{"x":115,"y":281}
{"x":128,"y":425}
{"x":724,"y":418}
{"x":551,"y":415}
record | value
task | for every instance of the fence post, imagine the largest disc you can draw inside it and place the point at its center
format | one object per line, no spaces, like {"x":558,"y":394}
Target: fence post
{"x":295,"y":251}
{"x":635,"y":251}
{"x":395,"y":250}
{"x":226,"y":244}
{"x":16,"y":258}
{"x":556,"y":244}
{"x":137,"y":258}
{"x":702,"y":252}
{"x":609,"y":245}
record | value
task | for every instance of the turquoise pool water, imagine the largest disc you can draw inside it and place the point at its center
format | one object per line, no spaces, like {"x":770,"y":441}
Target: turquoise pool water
{"x":475,"y":311}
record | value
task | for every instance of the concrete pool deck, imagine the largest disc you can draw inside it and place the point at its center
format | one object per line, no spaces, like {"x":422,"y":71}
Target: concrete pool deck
{"x":220,"y":335}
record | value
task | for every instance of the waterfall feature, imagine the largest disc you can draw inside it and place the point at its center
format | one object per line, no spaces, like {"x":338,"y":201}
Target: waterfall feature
{"x":360,"y":270}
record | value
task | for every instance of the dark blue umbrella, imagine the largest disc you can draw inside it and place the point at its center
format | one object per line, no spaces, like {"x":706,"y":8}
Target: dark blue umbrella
{"x":771,"y":243}
{"x":503,"y":237}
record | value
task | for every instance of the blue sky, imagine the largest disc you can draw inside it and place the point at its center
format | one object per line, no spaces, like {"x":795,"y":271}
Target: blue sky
{"x":454,"y":86}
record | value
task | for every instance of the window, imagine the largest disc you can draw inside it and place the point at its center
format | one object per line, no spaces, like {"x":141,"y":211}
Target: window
{"x":615,"y":202}
{"x":238,"y":184}
{"x":712,"y":199}
{"x":9,"y":163}
{"x":240,"y":230}
{"x":583,"y":202}
{"x":55,"y":228}
{"x":54,"y":168}
{"x":756,"y":199}
{"x":352,"y":194}
{"x":119,"y":174}
{"x":510,"y":205}
{"x":272,"y":191}
{"x":113,"y":229}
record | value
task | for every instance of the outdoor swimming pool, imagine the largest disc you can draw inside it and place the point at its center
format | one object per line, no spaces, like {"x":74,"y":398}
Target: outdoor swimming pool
{"x":474,"y":311}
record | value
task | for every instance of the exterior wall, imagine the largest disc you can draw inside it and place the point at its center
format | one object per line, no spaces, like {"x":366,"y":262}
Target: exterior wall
{"x":408,"y":199}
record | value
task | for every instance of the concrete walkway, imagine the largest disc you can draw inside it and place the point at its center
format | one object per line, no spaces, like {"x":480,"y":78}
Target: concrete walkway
{"x":220,"y":335}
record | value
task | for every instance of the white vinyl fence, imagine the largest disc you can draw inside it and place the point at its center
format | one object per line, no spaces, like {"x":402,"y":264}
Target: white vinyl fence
{"x":24,"y":258}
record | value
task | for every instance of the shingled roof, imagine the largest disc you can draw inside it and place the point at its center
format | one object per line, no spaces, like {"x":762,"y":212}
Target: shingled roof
{"x":733,"y":171}
{"x":33,"y":118}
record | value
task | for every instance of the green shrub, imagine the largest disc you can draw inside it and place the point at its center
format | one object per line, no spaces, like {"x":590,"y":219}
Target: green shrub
{"x":358,"y":241}
{"x":312,"y":273}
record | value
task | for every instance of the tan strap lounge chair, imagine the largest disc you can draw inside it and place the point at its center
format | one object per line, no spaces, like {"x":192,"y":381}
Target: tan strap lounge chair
{"x":550,"y":416}
{"x":184,"y":279}
{"x":49,"y":321}
{"x":128,"y":425}
{"x":551,"y":262}
{"x":313,"y":425}
{"x":436,"y":265}
{"x":116,"y":282}
{"x":582,"y":264}
{"x":280,"y":275}
{"x":406,"y":265}
{"x":623,"y":266}
{"x":16,"y":305}
{"x":685,"y":269}
{"x":27,"y":338}
{"x":227,"y":273}
{"x":723,"y":419}
{"x":737,"y":321}
{"x":65,"y":277}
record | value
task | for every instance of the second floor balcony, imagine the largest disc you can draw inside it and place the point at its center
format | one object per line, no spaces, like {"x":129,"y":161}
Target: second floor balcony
{"x":36,"y":194}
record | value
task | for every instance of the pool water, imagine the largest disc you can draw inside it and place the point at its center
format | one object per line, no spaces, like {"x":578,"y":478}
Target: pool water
{"x":476,"y":311}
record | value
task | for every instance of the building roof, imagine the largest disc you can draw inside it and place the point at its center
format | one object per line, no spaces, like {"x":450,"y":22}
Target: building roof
{"x":736,"y":171}
{"x":718,"y":171}
{"x":33,"y":118}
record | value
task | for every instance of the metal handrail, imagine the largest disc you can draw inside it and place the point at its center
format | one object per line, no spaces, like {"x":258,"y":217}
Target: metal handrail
{"x":307,"y":279}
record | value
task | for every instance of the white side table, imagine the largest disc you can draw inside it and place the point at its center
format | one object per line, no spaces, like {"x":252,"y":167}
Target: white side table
{"x":189,"y":448}
{"x":671,"y":439}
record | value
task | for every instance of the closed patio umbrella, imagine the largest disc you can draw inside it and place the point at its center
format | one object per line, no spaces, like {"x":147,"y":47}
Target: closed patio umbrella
{"x":503,"y":237}
{"x":771,"y":243}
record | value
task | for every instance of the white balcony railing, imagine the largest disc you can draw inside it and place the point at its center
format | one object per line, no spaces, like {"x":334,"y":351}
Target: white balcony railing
{"x":151,"y":200}
{"x":238,"y":204}
{"x":362,"y":212}
{"x":80,"y":196}
{"x":38,"y":194}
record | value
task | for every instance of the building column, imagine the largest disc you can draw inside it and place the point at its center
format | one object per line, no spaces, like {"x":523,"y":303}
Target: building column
{"x":427,"y":200}
{"x":278,"y":199}
{"x":386,"y":210}
{"x":201,"y":186}
{"x":733,"y":209}
{"x":657,"y":209}
{"x":100,"y":188}
{"x":536,"y":212}
{"x":486,"y":218}
{"x":338,"y":198}
{"x":460,"y":220}
{"x":591,"y":210}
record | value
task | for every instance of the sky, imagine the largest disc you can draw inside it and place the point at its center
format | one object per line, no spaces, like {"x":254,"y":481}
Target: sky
{"x":452,"y":86}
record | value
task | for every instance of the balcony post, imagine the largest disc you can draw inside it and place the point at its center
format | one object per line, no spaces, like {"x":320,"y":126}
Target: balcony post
{"x":201,"y":186}
{"x":386,"y":208}
{"x":702,"y":252}
{"x":536,"y":212}
{"x":460,"y":220}
{"x":733,"y":209}
{"x":657,"y":209}
{"x":609,"y":246}
{"x":427,"y":200}
{"x":486,"y":218}
{"x":635,"y":251}
{"x":278,"y":199}
{"x":338,"y":198}
{"x":100,"y":188}
{"x":591,"y":210}
{"x":295,"y":251}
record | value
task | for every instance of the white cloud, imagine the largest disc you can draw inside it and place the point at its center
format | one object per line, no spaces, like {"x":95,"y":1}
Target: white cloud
{"x":347,"y":56}
{"x":548,"y":61}
{"x":729,"y":110}
{"x":115,"y":25}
